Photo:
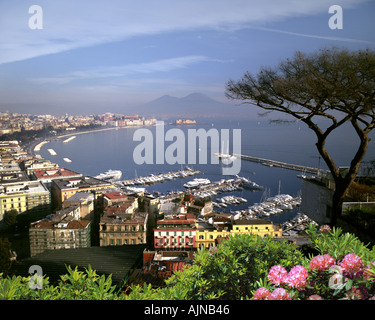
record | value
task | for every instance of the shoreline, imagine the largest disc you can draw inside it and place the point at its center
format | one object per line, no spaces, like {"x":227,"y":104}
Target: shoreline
{"x":41,"y":142}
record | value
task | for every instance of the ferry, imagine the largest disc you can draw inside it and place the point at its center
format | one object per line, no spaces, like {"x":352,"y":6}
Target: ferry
{"x":197,"y":182}
{"x":110,"y":175}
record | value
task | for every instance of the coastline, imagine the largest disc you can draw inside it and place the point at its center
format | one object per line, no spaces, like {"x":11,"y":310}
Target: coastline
{"x":31,"y":147}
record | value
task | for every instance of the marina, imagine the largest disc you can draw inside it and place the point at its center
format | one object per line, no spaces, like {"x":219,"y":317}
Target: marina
{"x":158,"y":178}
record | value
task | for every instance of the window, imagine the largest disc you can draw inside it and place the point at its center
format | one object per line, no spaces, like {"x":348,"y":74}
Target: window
{"x":118,"y":242}
{"x":201,"y":237}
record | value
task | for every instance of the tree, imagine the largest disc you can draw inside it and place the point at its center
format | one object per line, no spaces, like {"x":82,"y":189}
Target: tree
{"x":332,"y":84}
{"x":10,"y":218}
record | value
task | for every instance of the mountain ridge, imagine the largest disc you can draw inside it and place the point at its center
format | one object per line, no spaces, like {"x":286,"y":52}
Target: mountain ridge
{"x":193,"y":105}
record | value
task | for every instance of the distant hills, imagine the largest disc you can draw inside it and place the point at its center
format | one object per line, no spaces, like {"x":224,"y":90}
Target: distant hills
{"x":194,"y":105}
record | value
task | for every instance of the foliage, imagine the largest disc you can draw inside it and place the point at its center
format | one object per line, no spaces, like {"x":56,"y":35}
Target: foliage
{"x":346,"y":279}
{"x":336,"y":85}
{"x":241,"y":267}
{"x":75,"y":285}
{"x":338,"y":244}
{"x":345,"y":269}
{"x":231,"y":270}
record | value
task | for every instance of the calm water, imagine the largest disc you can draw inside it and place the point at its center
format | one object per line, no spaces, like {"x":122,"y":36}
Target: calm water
{"x":97,"y":152}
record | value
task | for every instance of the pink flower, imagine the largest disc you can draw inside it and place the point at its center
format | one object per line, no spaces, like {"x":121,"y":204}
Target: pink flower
{"x":297,"y":277}
{"x":277,"y":275}
{"x":322,"y":262}
{"x":372,"y":298}
{"x":315,"y":297}
{"x":261,"y":294}
{"x":352,"y":264}
{"x":280,"y":294}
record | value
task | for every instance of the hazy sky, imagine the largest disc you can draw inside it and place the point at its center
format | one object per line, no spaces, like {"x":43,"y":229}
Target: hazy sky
{"x":97,"y":56}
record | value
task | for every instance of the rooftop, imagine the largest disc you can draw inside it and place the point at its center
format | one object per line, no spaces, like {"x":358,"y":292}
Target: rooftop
{"x":54,"y":173}
{"x":80,"y":183}
{"x":115,"y":195}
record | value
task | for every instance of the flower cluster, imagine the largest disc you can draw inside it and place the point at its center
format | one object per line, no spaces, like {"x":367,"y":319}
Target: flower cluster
{"x":322,"y":262}
{"x":277,"y":275}
{"x":352,"y":265}
{"x":297,"y":277}
{"x":325,"y":278}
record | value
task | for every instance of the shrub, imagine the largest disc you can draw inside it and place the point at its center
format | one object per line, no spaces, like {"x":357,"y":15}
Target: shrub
{"x":231,"y":270}
{"x":345,"y":269}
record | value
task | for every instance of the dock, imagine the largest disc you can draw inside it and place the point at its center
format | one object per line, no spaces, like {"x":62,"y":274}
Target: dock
{"x":272,"y":163}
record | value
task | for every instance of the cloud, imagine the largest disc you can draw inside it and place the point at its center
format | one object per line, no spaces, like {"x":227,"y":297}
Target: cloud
{"x":163,"y":65}
{"x":71,"y":24}
{"x":315,"y":36}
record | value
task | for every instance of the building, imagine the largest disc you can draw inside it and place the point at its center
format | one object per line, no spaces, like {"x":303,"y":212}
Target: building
{"x":31,"y":165}
{"x":85,"y":201}
{"x":123,"y":229}
{"x":63,"y":189}
{"x":160,"y":265}
{"x":176,"y":232}
{"x":25,"y":197}
{"x":47,"y":175}
{"x":258,"y":227}
{"x":60,"y":231}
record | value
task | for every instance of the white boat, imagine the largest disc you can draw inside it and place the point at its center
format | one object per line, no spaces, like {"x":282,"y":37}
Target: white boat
{"x":248,"y":184}
{"x":196,"y":183}
{"x":110,"y":175}
{"x":67,"y":160}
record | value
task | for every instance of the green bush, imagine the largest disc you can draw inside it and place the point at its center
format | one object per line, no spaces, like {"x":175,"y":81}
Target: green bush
{"x":231,"y":270}
{"x":338,"y":244}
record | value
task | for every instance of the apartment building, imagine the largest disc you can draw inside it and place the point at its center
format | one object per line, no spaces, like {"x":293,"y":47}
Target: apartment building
{"x":63,"y":189}
{"x":123,"y":229}
{"x":60,"y":231}
{"x":176,"y":232}
{"x":25,"y":197}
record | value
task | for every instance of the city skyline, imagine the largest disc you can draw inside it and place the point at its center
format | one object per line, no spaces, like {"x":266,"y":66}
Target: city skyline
{"x":95,"y":57}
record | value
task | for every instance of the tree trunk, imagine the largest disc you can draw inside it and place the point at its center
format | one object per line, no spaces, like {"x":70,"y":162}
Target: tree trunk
{"x":337,"y":201}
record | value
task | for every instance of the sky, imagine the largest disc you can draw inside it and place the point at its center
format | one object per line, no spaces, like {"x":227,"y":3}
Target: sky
{"x":90,"y":57}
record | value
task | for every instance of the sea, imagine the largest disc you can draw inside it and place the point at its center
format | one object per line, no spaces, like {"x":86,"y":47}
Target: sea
{"x":96,"y":152}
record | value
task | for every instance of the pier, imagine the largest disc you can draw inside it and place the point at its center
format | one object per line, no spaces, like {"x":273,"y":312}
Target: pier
{"x":272,"y":163}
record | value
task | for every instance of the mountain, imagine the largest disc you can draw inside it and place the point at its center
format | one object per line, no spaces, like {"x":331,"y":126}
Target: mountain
{"x":194,"y":105}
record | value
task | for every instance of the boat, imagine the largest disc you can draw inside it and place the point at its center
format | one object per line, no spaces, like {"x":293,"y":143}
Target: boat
{"x":67,"y":160}
{"x":196,"y":183}
{"x":110,"y":175}
{"x":248,"y":184}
